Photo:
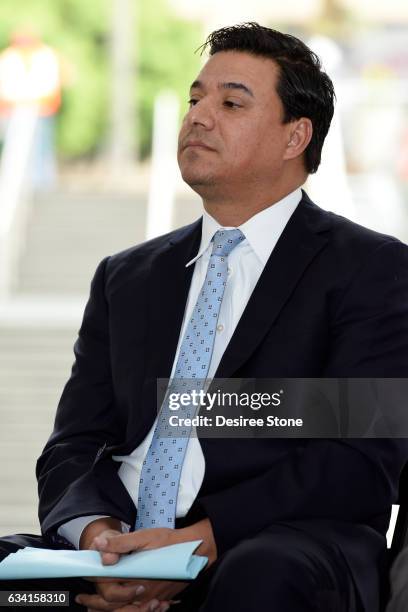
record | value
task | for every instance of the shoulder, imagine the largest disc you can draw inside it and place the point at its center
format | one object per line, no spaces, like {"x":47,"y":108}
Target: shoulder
{"x":150,"y":249}
{"x":136,"y":261}
{"x":351,"y":243}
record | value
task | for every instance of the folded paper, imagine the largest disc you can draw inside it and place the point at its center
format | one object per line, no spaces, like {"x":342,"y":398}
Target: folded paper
{"x":175,"y":562}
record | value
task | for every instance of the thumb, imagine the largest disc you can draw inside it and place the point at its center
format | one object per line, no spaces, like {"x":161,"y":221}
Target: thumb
{"x":99,"y":544}
{"x":123,"y":543}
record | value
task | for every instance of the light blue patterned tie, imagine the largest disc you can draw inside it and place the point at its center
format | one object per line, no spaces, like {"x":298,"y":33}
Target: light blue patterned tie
{"x":161,"y":470}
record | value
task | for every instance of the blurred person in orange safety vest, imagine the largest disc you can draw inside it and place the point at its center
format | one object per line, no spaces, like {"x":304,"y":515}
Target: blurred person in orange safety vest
{"x":30,"y":75}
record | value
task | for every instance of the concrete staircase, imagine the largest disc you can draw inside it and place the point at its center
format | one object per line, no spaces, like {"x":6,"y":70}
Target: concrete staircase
{"x":34,"y":364}
{"x":67,"y":237}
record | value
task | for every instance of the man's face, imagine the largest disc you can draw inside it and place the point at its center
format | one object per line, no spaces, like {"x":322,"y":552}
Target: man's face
{"x":233,"y":133}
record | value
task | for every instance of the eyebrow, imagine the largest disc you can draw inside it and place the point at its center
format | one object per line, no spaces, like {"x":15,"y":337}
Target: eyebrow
{"x":228,"y":85}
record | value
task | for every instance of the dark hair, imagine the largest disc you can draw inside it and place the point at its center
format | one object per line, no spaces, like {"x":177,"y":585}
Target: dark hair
{"x":304,"y":89}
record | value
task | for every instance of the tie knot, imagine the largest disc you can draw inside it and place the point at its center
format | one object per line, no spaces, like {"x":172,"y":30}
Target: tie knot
{"x":225,"y":241}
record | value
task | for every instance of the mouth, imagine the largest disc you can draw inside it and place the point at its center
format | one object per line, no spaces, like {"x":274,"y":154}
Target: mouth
{"x":197,"y":144}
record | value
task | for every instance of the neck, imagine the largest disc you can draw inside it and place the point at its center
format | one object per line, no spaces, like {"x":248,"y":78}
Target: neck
{"x":232,"y":210}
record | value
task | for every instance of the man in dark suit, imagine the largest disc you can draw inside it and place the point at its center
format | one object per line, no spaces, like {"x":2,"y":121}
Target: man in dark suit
{"x":287,"y":524}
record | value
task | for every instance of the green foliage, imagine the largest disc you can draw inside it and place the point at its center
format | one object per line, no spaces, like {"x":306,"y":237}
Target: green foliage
{"x":79,"y":31}
{"x":166,"y":60}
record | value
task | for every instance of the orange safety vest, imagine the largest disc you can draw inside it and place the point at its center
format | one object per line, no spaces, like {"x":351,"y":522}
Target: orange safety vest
{"x":30,"y":77}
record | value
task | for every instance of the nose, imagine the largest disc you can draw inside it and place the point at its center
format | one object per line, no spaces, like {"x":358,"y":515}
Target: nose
{"x":201,"y":114}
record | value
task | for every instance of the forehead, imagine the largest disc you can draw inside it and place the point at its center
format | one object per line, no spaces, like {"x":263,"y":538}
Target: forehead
{"x":260,"y":74}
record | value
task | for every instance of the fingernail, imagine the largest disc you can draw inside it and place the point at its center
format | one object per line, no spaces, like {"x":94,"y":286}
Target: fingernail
{"x":154,"y":605}
{"x":78,"y":599}
{"x":140,"y":589}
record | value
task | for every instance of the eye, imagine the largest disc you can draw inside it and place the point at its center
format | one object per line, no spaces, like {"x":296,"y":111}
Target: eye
{"x":231,"y":104}
{"x":192,"y":102}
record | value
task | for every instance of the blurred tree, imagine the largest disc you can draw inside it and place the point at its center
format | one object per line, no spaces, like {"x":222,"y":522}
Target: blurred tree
{"x":166,"y":60}
{"x":80,"y":32}
{"x":335,"y":20}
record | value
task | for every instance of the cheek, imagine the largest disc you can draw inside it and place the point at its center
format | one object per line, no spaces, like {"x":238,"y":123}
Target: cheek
{"x":272,"y":144}
{"x":251,"y":150}
{"x":249,"y":139}
{"x":243,"y":145}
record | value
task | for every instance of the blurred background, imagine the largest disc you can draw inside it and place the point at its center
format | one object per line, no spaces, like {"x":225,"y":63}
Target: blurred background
{"x":91,"y":98}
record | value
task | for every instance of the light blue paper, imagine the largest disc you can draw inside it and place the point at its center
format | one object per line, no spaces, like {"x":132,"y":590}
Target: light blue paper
{"x":175,"y":562}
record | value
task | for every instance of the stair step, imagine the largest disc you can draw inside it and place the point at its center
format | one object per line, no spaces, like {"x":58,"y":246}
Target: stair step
{"x":22,"y":432}
{"x":22,"y":495}
{"x":18,"y":518}
{"x":67,"y":237}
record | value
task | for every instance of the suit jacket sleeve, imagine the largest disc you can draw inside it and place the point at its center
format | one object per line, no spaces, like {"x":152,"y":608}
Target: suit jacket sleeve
{"x":69,"y":483}
{"x":340,"y":479}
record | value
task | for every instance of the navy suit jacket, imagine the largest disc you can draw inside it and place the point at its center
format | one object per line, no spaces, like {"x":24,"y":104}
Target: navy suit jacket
{"x":332,"y":301}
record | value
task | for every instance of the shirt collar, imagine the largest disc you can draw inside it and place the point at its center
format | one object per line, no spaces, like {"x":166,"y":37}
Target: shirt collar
{"x":262,"y":231}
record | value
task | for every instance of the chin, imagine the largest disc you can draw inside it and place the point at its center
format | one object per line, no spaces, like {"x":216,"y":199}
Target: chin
{"x":196,"y":180}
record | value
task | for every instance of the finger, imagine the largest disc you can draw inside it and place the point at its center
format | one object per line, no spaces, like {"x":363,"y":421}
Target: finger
{"x":115,"y":588}
{"x":108,"y":533}
{"x":97,"y":603}
{"x":135,"y":605}
{"x":133,"y":608}
{"x":150,"y":606}
{"x":109,"y":558}
{"x":123,"y":543}
{"x":106,"y":558}
{"x":112,"y":596}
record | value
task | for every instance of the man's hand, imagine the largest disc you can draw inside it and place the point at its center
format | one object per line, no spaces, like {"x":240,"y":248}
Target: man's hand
{"x":150,"y":594}
{"x":110,"y":591}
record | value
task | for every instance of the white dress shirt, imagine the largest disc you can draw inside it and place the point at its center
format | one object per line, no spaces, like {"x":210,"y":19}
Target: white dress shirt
{"x":245,"y":265}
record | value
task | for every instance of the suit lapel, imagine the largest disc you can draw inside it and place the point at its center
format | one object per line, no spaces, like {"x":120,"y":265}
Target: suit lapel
{"x":301,"y":240}
{"x":169,"y":285}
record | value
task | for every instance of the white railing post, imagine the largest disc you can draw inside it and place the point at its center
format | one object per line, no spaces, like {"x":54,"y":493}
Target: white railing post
{"x":163,"y":177}
{"x":13,"y":185}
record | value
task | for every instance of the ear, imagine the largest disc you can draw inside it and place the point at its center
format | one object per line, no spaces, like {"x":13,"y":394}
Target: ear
{"x":300,"y":134}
